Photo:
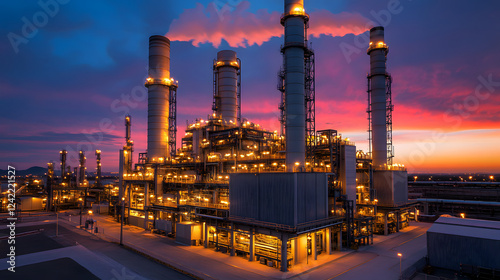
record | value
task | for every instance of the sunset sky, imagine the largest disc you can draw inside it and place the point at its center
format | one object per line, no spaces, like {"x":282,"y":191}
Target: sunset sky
{"x":71,"y":71}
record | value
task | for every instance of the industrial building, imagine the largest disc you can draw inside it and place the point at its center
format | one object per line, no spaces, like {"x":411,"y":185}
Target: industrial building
{"x":468,"y":245}
{"x":477,"y":200}
{"x":280,"y":198}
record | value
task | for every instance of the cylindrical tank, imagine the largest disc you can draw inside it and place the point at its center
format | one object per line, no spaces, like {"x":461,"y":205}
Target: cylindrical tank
{"x":294,"y":23}
{"x":378,"y":56}
{"x":158,"y":97}
{"x":227,"y":85}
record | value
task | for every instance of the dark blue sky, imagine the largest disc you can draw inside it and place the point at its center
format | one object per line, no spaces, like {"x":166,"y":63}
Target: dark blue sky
{"x":67,"y":84}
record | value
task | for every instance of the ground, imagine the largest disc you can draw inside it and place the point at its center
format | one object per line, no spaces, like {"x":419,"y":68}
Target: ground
{"x":151,"y":256}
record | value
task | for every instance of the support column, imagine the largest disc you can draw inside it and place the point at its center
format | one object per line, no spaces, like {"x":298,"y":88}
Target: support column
{"x":252,"y":246}
{"x":205,"y":235}
{"x":313,"y":246}
{"x":284,"y":253}
{"x":146,"y":205}
{"x":328,"y":242}
{"x":129,"y":202}
{"x":231,"y":242}
{"x":339,"y":240}
{"x":398,"y":219}
{"x":295,"y":250}
{"x":416,"y":216}
{"x":386,"y":230}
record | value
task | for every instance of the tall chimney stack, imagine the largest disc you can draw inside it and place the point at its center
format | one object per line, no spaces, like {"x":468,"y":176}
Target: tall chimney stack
{"x":158,"y":84}
{"x":377,"y":81}
{"x":294,"y":20}
{"x":226,"y":70}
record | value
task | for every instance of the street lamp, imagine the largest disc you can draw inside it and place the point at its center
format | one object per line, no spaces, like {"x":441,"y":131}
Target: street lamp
{"x":400,"y":271}
{"x":121,"y":224}
{"x":81,"y":210}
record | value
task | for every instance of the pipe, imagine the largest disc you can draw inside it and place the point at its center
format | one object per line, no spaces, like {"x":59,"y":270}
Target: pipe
{"x":158,"y":96}
{"x":378,"y":56}
{"x":227,"y":67}
{"x":294,"y":21}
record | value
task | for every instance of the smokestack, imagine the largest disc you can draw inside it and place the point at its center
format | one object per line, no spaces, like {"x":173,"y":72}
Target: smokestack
{"x":63,"y":165}
{"x":81,"y":175}
{"x":48,"y":185}
{"x":98,"y":168}
{"x":378,"y":56}
{"x":158,"y":84}
{"x":294,"y":20}
{"x":226,"y":70}
{"x":128,"y":125}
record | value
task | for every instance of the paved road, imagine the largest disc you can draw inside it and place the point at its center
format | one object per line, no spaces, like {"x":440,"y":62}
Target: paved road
{"x":134,"y":262}
{"x":378,"y":261}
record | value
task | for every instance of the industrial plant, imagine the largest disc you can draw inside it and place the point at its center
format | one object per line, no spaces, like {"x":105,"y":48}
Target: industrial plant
{"x":280,"y":198}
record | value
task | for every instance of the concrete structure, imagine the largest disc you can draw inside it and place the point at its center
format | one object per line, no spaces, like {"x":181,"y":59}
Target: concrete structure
{"x":158,"y":96}
{"x":294,"y":20}
{"x":378,"y":90}
{"x":452,"y":242}
{"x":189,"y":233}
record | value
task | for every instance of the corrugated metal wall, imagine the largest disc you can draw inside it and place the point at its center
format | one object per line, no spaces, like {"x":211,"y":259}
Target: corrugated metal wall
{"x":449,"y":251}
{"x":391,"y":187}
{"x":282,"y":198}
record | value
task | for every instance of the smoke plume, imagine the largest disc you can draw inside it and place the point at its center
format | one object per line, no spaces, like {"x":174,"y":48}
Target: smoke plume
{"x":241,"y":28}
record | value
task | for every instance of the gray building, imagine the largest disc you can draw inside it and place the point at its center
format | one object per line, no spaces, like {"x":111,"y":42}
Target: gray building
{"x":454,"y":241}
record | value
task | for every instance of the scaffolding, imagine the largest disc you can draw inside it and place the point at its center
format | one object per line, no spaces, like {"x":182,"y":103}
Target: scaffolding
{"x":172,"y":120}
{"x":216,"y":98}
{"x":388,"y":116}
{"x":310,"y":103}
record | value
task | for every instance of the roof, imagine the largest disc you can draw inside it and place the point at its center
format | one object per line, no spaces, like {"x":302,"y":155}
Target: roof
{"x":467,"y":227}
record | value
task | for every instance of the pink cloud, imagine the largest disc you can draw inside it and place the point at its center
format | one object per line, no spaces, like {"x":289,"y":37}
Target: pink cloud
{"x":241,"y":28}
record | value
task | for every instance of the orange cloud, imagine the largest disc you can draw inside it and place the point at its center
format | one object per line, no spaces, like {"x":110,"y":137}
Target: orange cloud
{"x":241,"y":28}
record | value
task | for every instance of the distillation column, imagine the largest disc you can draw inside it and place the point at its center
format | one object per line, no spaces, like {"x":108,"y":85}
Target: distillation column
{"x":81,"y":174}
{"x":227,"y":87}
{"x":294,"y":20}
{"x":378,"y":56}
{"x":158,"y":84}
{"x":63,"y":154}
{"x":98,"y":168}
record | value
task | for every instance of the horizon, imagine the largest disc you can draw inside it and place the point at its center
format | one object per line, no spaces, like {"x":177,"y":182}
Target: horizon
{"x":86,"y":68}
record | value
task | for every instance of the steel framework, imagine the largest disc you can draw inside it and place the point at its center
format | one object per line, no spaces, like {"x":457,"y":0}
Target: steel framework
{"x":388,"y":117}
{"x":172,"y":120}
{"x":310,"y":101}
{"x":216,"y":97}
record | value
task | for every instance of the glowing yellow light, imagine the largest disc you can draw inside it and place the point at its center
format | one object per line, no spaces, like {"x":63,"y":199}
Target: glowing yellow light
{"x":400,"y":255}
{"x":297,"y":163}
{"x":462,"y":215}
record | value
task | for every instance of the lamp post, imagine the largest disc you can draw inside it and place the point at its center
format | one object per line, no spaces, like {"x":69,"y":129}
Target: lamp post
{"x":81,"y":210}
{"x":400,"y":271}
{"x":121,"y":224}
{"x":92,"y":223}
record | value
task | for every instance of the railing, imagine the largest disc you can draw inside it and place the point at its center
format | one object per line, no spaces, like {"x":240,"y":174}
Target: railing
{"x":377,"y":46}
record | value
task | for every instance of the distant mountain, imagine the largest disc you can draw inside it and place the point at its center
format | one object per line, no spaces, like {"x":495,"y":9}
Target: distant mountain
{"x":40,"y":171}
{"x":35,"y":170}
